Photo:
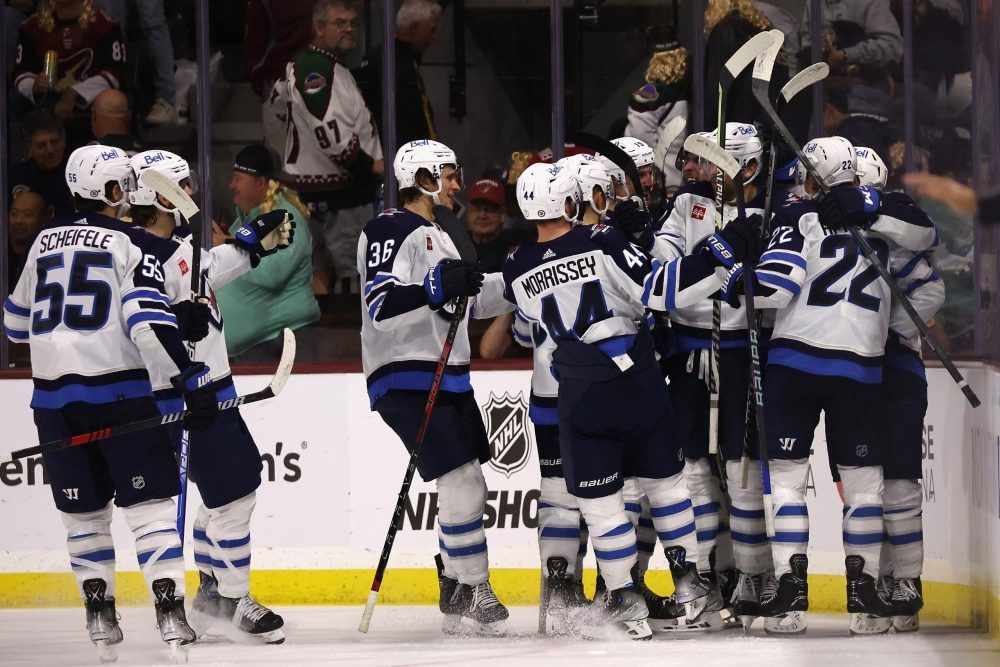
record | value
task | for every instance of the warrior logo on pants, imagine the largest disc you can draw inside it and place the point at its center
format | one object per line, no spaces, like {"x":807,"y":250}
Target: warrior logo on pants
{"x":506,"y":426}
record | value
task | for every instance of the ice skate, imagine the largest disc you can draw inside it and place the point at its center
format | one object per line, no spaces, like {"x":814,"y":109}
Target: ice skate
{"x":253,"y":618}
{"x":208,"y":600}
{"x":907,"y":600}
{"x":619,"y":613}
{"x":690,"y":589}
{"x":871,"y":611}
{"x":561,"y":608}
{"x":171,"y":620}
{"x":478,"y":605}
{"x":746,"y":598}
{"x":102,"y":619}
{"x":660,"y":608}
{"x":783,"y":603}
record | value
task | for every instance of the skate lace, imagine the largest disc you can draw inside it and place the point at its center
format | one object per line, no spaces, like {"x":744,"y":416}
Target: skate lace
{"x":251,"y":609}
{"x":769,"y":588}
{"x":746,"y":587}
{"x":484,"y":597}
{"x":904,"y":590}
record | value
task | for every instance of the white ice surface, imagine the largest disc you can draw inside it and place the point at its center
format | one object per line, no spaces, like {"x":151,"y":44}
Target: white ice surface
{"x":411,"y":636}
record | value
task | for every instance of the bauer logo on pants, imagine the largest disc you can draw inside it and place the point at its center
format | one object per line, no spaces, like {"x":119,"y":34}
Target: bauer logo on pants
{"x":507,"y":429}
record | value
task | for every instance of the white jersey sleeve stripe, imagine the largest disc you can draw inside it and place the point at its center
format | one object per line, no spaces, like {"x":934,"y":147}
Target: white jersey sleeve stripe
{"x":149,"y":294}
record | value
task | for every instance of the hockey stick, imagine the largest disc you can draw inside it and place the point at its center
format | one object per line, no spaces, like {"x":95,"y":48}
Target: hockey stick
{"x":738,"y":62}
{"x":760,"y":92}
{"x":182,"y":201}
{"x":714,"y":153}
{"x":397,"y":513}
{"x":273,"y":388}
{"x":807,"y":77}
{"x":668,"y":135}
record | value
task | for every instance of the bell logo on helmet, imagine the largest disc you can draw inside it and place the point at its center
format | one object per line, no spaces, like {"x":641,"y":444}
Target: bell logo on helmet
{"x":554,"y":170}
{"x":110,"y":155}
{"x":153,"y":159}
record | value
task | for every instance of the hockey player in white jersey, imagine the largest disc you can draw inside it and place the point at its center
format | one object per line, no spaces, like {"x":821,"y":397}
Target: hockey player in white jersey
{"x":904,"y":388}
{"x":224,"y":460}
{"x":826,"y":355}
{"x":609,"y":383}
{"x":411,"y":273}
{"x":92,"y":305}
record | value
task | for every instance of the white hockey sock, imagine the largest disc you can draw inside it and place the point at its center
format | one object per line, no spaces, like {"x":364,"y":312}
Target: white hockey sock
{"x":202,"y":549}
{"x":670,"y":510}
{"x":157,"y":545}
{"x":791,"y":517}
{"x":863,"y":513}
{"x":613,"y":537}
{"x":705,"y":496}
{"x":91,"y":549}
{"x":558,"y":523}
{"x":903,"y":500}
{"x":461,"y":503}
{"x":229,"y":545}
{"x":637,"y":511}
{"x":751,"y":548}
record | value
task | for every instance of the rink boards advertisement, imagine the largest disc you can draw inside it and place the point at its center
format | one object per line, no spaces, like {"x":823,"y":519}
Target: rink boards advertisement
{"x":332,"y":472}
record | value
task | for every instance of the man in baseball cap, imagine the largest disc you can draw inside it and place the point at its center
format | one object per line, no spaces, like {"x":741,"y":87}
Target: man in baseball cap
{"x":485,"y":219}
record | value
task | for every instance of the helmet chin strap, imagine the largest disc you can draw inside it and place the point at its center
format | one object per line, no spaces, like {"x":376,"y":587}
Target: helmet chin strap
{"x":436,"y":195}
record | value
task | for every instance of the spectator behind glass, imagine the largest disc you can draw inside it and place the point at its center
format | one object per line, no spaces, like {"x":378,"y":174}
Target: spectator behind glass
{"x":28,"y":214}
{"x":276,"y":31}
{"x":484,"y":220}
{"x":44,"y":169}
{"x":278,"y":293}
{"x":861,"y":38}
{"x":110,"y":121}
{"x":859,"y":113}
{"x":91,"y":58}
{"x":416,"y":28}
{"x":332,"y":151}
{"x":159,"y":49}
{"x":16,"y":12}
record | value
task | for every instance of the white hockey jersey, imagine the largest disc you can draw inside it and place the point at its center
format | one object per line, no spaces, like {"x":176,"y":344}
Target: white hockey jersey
{"x":544,"y":386}
{"x":401,"y":336}
{"x":925,"y":290}
{"x":688,"y":223}
{"x":834,"y":308}
{"x":86,"y":302}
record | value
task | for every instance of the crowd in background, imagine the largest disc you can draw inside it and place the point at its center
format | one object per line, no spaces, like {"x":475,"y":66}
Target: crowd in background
{"x":122,"y":72}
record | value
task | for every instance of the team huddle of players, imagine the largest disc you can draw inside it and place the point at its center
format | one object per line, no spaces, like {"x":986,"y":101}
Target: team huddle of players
{"x":618,"y":309}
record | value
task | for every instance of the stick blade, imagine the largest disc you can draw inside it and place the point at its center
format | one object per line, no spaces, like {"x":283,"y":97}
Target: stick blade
{"x":711,"y":151}
{"x":285,"y":364}
{"x":764,"y":63}
{"x":807,"y":77}
{"x":747,"y":53}
{"x":668,"y":135}
{"x":154,"y":180}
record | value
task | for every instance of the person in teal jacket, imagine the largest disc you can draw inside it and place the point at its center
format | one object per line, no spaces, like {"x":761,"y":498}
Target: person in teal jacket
{"x":278,"y":293}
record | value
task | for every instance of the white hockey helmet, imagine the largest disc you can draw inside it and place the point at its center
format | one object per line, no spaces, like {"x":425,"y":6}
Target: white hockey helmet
{"x":637,"y":149}
{"x":833,"y":158}
{"x":169,"y":164}
{"x":616,"y":173}
{"x":871,"y":168}
{"x":422,"y":154}
{"x":743,"y":144}
{"x":542,"y":191}
{"x":589,"y":173}
{"x":90,"y":168}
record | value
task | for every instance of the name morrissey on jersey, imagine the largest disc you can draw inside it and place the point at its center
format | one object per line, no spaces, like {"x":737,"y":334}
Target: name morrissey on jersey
{"x":562,"y":272}
{"x":80,"y":236}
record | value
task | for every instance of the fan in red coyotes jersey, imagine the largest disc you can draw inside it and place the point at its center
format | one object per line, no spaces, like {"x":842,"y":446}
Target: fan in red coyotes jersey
{"x":89,"y":46}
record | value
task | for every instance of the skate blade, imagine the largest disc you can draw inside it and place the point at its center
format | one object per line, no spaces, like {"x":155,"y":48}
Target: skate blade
{"x":695,"y":608}
{"x":746,"y":622}
{"x":467,"y":627}
{"x":106,"y":651}
{"x":791,"y":623}
{"x":906,"y":623}
{"x":178,"y":651}
{"x":866,"y":624}
{"x":272,"y":637}
{"x":634,"y":630}
{"x":710,"y":621}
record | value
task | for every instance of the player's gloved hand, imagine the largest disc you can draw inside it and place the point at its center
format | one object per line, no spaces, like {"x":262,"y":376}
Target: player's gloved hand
{"x":738,"y":241}
{"x":849,"y":206}
{"x":192,"y":319}
{"x":452,"y":278}
{"x":732,"y":286}
{"x":634,"y":222}
{"x":194,"y":383}
{"x":265,"y":234}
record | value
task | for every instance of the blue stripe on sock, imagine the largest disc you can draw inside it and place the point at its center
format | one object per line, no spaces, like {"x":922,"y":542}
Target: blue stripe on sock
{"x":706,"y":535}
{"x":201,"y":536}
{"x":749,"y":538}
{"x":157,"y":532}
{"x":906,"y":538}
{"x":232,"y":544}
{"x":202,"y":559}
{"x":633,"y":507}
{"x":676,"y":533}
{"x":169,"y":554}
{"x":97,"y":556}
{"x":81,"y":537}
{"x":746,"y":514}
{"x":794,"y":537}
{"x":792,"y":510}
{"x":470,"y":550}
{"x":556,"y":532}
{"x":238,"y":563}
{"x":708,"y":508}
{"x":462,"y":528}
{"x":618,"y":530}
{"x":617,"y":554}
{"x":862,"y":539}
{"x":670,"y":510}
{"x":899,"y":510}
{"x":865,"y":512}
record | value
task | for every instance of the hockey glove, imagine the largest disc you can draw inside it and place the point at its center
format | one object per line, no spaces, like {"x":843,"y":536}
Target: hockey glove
{"x":452,"y":278}
{"x":194,"y":383}
{"x":736,"y":242}
{"x":849,"y":206}
{"x":192,"y":319}
{"x":732,"y":287}
{"x":634,"y":222}
{"x":265,"y":234}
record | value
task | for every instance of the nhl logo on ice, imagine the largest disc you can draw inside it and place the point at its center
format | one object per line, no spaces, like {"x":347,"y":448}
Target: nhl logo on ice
{"x":138,"y":482}
{"x":508,"y":433}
